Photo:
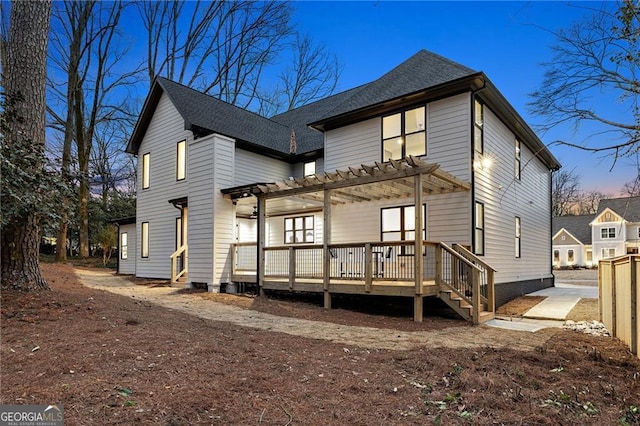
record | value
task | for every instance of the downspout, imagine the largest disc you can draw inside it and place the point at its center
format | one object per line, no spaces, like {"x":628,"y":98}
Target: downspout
{"x":473,"y":171}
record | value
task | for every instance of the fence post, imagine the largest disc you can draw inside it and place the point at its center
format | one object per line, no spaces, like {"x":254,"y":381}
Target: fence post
{"x":612,"y":278}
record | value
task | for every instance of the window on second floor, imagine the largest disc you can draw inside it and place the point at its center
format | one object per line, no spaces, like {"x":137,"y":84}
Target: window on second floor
{"x":309,"y":168}
{"x":404,"y":134}
{"x":518,"y":160}
{"x":298,"y":229}
{"x":607,"y":233}
{"x":181,"y":161}
{"x":146,"y":171}
{"x":478,"y":129}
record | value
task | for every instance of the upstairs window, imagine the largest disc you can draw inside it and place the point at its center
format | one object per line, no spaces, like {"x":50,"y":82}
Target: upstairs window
{"x":404,"y":134}
{"x":478,"y":129}
{"x":310,"y":168}
{"x":181,"y":161}
{"x":518,"y":160}
{"x":146,"y":172}
{"x":607,"y":233}
{"x":298,"y":229}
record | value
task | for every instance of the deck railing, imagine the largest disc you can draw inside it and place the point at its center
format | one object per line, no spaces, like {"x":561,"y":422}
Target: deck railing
{"x":374,"y":261}
{"x":487,"y":277}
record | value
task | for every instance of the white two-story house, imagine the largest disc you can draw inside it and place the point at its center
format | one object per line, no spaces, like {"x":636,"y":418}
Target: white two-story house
{"x":616,"y":228}
{"x":423,"y":183}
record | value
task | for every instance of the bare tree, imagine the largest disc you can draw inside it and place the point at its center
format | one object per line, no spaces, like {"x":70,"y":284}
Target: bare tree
{"x":565,"y":192}
{"x":86,"y":52}
{"x":310,"y":73}
{"x":588,"y":202}
{"x":596,"y":59}
{"x":24,"y":80}
{"x":632,"y":188}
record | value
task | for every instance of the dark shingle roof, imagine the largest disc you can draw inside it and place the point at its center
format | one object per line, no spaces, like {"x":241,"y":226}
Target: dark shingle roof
{"x":627,"y":207}
{"x":421,"y":71}
{"x":578,"y":226}
{"x":204,"y":114}
{"x":308,"y":139}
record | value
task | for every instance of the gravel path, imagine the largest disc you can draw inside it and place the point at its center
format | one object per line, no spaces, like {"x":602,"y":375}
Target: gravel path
{"x":367,"y":337}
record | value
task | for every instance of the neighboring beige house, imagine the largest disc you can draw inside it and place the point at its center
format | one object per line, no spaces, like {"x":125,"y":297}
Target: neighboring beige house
{"x":582,"y":241}
{"x":572,"y":241}
{"x":339,"y":196}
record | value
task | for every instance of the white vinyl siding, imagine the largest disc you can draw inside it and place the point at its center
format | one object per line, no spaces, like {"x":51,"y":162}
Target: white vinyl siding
{"x":505,"y":197}
{"x":353,"y":145}
{"x":165,"y":129}
{"x":224,"y":210}
{"x":250,"y":167}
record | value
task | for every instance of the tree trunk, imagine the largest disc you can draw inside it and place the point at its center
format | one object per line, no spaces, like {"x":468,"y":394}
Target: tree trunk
{"x":24,"y":82}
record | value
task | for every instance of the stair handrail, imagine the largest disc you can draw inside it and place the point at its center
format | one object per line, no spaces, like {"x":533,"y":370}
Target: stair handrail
{"x":468,"y":263}
{"x":175,"y":275}
{"x":490,"y":298}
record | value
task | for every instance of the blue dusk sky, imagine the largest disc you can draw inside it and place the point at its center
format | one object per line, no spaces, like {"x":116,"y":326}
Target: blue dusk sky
{"x":506,"y":40}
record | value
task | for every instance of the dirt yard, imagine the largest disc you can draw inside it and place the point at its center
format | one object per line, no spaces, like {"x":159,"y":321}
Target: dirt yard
{"x":117,"y":359}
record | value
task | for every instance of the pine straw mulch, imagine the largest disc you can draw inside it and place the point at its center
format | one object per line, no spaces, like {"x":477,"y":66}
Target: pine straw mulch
{"x":114,"y":360}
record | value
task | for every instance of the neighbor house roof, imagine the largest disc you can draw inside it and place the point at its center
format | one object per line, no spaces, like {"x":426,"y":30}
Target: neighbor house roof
{"x":423,"y":76}
{"x":627,"y":207}
{"x":578,"y":226}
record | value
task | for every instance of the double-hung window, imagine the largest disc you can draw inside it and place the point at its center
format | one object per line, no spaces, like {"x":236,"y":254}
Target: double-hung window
{"x":181,"y":161}
{"x":298,"y":229}
{"x":607,"y":233}
{"x":518,"y":160}
{"x":144,"y":240}
{"x":478,"y":126}
{"x":309,"y":168}
{"x":404,"y":134}
{"x":146,"y":171}
{"x":124,"y":245}
{"x":608,"y":253}
{"x":479,"y":229}
{"x":518,"y":235}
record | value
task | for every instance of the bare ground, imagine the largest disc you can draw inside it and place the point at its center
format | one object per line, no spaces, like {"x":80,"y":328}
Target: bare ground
{"x":111,"y":359}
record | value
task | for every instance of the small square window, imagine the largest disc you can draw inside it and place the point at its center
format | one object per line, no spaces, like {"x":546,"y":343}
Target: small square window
{"x":310,"y":168}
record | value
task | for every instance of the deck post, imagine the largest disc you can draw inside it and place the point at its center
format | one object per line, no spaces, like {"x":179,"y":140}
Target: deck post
{"x":326,"y":240}
{"x":475,"y":298}
{"x":368,"y":267}
{"x":438,"y":265}
{"x":418,"y":259}
{"x":292,"y":267}
{"x":262,"y":204}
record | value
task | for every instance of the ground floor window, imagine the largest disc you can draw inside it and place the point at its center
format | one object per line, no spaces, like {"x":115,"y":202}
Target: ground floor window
{"x":556,"y":256}
{"x":298,"y":229}
{"x":589,"y":256}
{"x":570,"y":256}
{"x":479,"y":229}
{"x":124,"y":242}
{"x":398,"y":223}
{"x":608,"y":252}
{"x":518,"y":234}
{"x":144,"y":240}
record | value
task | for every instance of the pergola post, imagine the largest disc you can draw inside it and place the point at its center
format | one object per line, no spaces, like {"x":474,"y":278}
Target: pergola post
{"x":262,"y":204}
{"x":418,"y":260}
{"x":326,"y":240}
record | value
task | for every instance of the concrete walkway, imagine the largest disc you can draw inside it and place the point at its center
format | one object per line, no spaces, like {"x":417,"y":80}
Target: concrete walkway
{"x":560,"y":300}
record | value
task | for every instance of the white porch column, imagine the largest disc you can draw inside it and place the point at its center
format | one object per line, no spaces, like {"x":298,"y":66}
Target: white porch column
{"x":326,"y":240}
{"x":418,"y":260}
{"x":262,"y":209}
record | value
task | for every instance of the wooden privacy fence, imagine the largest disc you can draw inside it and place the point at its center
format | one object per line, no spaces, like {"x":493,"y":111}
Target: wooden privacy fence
{"x":618,"y":281}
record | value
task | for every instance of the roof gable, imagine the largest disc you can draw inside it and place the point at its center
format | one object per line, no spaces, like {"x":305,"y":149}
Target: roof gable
{"x":564,"y":237}
{"x":627,"y":208}
{"x":577,"y":226}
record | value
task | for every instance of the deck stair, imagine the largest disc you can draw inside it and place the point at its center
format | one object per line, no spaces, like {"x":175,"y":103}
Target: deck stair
{"x":466,"y":284}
